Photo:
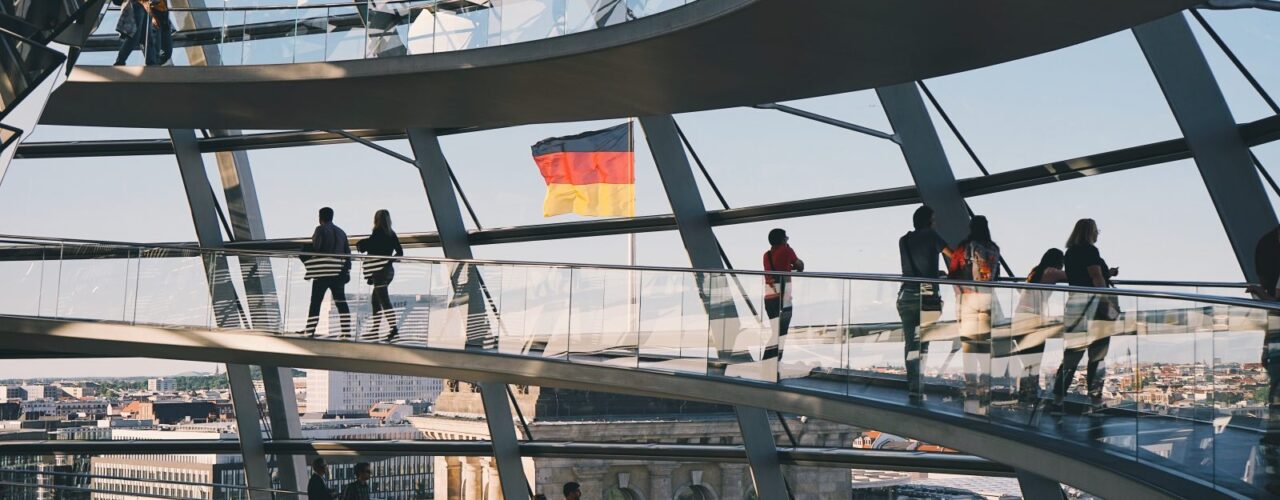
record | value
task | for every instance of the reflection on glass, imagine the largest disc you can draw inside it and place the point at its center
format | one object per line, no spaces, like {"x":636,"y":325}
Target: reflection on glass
{"x":1183,"y":382}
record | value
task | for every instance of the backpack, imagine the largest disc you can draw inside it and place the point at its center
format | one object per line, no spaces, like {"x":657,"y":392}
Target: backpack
{"x":961,"y":265}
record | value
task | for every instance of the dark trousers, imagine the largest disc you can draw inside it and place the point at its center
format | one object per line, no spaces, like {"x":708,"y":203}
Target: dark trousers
{"x":381,"y":300}
{"x":160,"y":45}
{"x":909,"y":313}
{"x":1097,"y":371}
{"x":128,"y":45}
{"x":774,"y":309}
{"x":336,"y":285}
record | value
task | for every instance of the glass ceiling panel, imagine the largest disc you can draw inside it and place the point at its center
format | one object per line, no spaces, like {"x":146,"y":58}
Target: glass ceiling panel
{"x":1093,"y":97}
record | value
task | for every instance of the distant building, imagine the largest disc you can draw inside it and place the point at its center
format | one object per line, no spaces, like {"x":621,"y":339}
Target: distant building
{"x":8,"y":392}
{"x":80,"y":391}
{"x":92,"y":408}
{"x":162,"y":385}
{"x":40,"y":391}
{"x":581,"y":416}
{"x":353,"y":394}
{"x":173,"y":412}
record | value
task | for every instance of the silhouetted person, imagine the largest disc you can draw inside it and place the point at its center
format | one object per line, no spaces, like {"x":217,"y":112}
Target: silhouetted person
{"x":1085,"y":267}
{"x":359,"y":489}
{"x":133,"y":27}
{"x":160,"y":39}
{"x":316,"y":487}
{"x":329,"y":274}
{"x":1265,"y":461}
{"x":976,"y":258}
{"x":379,"y":272}
{"x":572,"y":491}
{"x":1029,"y":332}
{"x":777,"y":298}
{"x":919,"y":304}
{"x":539,"y":496}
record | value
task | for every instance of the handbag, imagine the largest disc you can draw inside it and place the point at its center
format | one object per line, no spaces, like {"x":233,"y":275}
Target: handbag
{"x":930,"y":299}
{"x":1108,"y":308}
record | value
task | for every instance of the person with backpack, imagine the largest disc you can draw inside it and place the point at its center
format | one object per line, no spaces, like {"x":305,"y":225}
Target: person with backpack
{"x":328,"y":274}
{"x":777,"y":298}
{"x":1029,"y":328}
{"x":976,"y":258}
{"x":1086,"y":315}
{"x":160,"y":38}
{"x":919,"y":304}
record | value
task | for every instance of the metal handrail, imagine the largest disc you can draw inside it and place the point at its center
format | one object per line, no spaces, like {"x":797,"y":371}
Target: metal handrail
{"x":1151,"y":294}
{"x":83,"y":489}
{"x":237,"y":8}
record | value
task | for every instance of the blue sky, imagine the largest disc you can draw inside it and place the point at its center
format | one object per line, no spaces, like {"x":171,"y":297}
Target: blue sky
{"x":1157,"y":221}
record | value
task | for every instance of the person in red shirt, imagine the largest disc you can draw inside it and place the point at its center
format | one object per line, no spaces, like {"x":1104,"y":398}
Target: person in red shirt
{"x":777,"y":296}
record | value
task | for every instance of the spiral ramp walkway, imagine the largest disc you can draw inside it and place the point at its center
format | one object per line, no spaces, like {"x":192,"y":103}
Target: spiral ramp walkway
{"x":707,"y":54}
{"x":465,"y":322}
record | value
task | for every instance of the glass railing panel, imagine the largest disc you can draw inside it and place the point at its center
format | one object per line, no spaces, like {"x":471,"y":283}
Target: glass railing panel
{"x":605,"y":310}
{"x":93,"y":283}
{"x":885,"y":327}
{"x":172,"y":289}
{"x":530,"y":20}
{"x":650,"y":7}
{"x":1247,"y":421}
{"x":1034,"y":328}
{"x":535,"y":311}
{"x":24,"y":279}
{"x":675,"y":327}
{"x":383,"y":22}
{"x":311,"y":28}
{"x":231,"y":36}
{"x":806,"y":344}
{"x":267,"y":37}
{"x":346,"y":37}
{"x":941,"y":362}
{"x":1171,"y":380}
{"x":419,"y":32}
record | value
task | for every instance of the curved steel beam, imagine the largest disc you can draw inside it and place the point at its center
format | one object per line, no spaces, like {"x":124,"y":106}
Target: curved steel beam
{"x":709,"y":54}
{"x":1072,"y":463}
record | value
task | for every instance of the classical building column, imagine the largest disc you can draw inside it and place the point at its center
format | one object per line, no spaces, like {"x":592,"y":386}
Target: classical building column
{"x":453,"y":479}
{"x":493,"y":484}
{"x":660,"y":487}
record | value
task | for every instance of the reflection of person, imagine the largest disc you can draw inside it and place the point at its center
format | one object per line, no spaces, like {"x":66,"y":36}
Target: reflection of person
{"x":919,"y":305}
{"x":316,"y":487}
{"x":777,"y":299}
{"x":379,"y":272}
{"x":1026,"y":344}
{"x":976,"y":258}
{"x":329,"y":275}
{"x":1085,"y":267}
{"x":359,"y":489}
{"x":1267,"y":263}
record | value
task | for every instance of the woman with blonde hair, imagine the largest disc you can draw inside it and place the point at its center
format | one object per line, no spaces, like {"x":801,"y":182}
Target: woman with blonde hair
{"x":1085,"y":268}
{"x":379,"y":272}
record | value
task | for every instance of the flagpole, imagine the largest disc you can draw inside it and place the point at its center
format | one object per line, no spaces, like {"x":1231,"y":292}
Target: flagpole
{"x":633,"y":315}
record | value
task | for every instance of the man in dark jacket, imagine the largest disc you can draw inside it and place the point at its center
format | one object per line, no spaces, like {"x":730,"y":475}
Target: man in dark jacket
{"x":316,"y":488}
{"x":331,"y":274}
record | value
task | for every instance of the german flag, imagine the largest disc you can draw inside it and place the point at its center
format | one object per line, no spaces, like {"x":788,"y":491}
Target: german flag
{"x":592,"y":173}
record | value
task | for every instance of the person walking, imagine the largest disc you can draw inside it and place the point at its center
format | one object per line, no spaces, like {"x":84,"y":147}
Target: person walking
{"x":777,"y":298}
{"x":328,"y":274}
{"x":976,"y":258}
{"x":1266,"y":457}
{"x":317,"y":489}
{"x":1030,"y":328}
{"x":919,"y":304}
{"x":379,"y":272}
{"x":359,"y":489}
{"x":132,"y":27}
{"x":1087,"y":315}
{"x":160,"y":38}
